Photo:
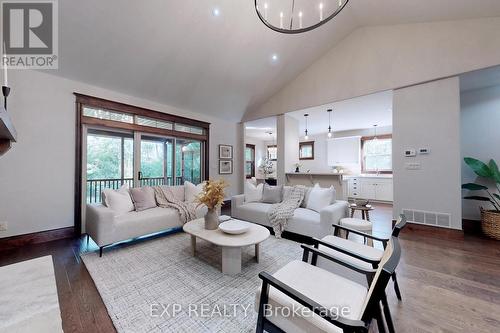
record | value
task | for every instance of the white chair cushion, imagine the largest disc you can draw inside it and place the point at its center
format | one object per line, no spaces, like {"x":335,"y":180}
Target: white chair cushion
{"x":353,"y":247}
{"x":358,"y":224}
{"x":323,"y":287}
{"x":253,"y":193}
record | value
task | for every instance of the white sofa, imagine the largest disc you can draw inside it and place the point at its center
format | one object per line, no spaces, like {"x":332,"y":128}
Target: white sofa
{"x":106,"y":228}
{"x":305,"y":221}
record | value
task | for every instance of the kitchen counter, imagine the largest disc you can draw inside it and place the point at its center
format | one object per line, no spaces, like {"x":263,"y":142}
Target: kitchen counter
{"x":324,"y":179}
{"x":369,"y":175}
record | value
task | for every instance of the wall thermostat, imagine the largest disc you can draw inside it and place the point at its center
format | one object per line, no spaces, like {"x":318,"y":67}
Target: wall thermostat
{"x":410,"y":152}
{"x":423,"y":151}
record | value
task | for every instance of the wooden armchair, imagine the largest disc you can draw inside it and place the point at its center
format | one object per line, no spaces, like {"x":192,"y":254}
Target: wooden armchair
{"x":359,"y":255}
{"x":302,"y":286}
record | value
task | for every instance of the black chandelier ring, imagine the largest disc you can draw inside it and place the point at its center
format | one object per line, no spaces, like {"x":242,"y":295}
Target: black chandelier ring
{"x":287,"y":25}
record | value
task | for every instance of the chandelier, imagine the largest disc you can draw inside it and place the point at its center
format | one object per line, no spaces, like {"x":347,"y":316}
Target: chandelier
{"x":296,"y":16}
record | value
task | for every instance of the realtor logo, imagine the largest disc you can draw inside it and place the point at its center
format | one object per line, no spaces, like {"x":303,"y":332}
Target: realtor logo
{"x":29,"y":34}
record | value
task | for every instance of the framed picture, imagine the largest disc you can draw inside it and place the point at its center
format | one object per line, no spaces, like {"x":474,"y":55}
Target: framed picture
{"x":225,"y":152}
{"x":225,"y":167}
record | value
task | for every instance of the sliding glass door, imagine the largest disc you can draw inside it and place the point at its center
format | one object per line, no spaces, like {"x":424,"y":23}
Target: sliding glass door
{"x":188,"y":155}
{"x":110,"y":161}
{"x":157,"y":161}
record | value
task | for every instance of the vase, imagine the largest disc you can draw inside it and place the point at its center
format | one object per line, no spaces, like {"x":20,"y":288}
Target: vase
{"x":297,"y":169}
{"x":211,"y":219}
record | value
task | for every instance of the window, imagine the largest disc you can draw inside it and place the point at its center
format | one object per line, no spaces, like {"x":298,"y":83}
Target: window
{"x":377,"y":154}
{"x":249,"y":161}
{"x":145,"y":121}
{"x":272,"y":152}
{"x":108,"y":115}
{"x":306,"y":150}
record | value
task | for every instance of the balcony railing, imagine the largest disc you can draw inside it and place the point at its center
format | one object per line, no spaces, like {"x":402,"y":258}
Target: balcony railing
{"x":96,"y":186}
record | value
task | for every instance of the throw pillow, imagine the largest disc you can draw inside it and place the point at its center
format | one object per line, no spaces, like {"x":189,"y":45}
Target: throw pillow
{"x":319,"y":198}
{"x":272,"y":194}
{"x":253,"y":193}
{"x":143,"y":198}
{"x":118,"y":200}
{"x":192,"y":191}
{"x":177,"y":191}
{"x":306,"y":196}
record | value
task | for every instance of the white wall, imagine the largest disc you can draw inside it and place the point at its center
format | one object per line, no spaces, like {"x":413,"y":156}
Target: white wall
{"x":37,"y":175}
{"x":320,"y":161}
{"x":480,"y":137}
{"x":428,"y":115}
{"x":379,"y":58}
{"x":288,"y":146}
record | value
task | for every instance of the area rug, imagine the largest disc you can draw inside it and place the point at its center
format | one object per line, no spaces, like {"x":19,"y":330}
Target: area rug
{"x":158,"y":286}
{"x":28,"y":297}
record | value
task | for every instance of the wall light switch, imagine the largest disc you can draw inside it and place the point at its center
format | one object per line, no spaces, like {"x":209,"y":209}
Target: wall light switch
{"x":410,"y":152}
{"x":4,"y":226}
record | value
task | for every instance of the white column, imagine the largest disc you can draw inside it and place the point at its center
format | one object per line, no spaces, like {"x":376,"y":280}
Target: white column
{"x":428,"y":116}
{"x":288,"y":146}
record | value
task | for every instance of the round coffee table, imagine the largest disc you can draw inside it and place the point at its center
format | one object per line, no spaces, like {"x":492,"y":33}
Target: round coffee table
{"x":364,"y":211}
{"x":231,"y":244}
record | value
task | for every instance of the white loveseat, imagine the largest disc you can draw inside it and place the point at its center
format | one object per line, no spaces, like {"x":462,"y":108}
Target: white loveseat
{"x":304,"y":221}
{"x":106,"y":227}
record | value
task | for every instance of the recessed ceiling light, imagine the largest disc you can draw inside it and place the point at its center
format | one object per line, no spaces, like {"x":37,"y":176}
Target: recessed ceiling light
{"x":274,"y":57}
{"x":216,"y":11}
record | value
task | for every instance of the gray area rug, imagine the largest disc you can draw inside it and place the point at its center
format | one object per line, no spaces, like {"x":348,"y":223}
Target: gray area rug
{"x":158,"y":286}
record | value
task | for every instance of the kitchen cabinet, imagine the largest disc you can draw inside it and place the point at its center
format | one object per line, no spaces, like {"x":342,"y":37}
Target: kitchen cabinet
{"x":372,"y":188}
{"x":343,"y":151}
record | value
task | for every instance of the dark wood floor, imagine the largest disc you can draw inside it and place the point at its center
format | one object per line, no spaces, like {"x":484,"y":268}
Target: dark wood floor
{"x":450,"y":281}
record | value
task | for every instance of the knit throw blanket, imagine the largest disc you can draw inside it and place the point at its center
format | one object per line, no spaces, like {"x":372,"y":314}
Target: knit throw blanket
{"x":166,"y":199}
{"x":280,"y":213}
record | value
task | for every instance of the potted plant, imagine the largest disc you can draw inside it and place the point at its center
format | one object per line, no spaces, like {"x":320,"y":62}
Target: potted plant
{"x":212,"y":196}
{"x":490,"y":219}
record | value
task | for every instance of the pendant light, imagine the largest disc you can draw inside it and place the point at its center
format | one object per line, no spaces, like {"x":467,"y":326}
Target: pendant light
{"x":375,"y":132}
{"x":306,"y":137}
{"x":330,"y":133}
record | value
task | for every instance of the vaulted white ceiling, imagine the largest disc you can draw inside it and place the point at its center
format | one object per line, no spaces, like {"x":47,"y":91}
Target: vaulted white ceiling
{"x":179,"y":53}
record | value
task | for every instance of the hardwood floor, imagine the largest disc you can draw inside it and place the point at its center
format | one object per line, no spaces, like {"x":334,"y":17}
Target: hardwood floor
{"x":450,"y":282}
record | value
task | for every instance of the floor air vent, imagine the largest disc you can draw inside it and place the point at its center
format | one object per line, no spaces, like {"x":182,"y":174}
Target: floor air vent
{"x":429,"y":218}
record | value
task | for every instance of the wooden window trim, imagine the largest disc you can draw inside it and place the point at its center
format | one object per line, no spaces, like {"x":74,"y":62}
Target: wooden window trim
{"x":368,"y":138}
{"x":96,"y":102}
{"x":306,"y":143}
{"x":252,"y":161}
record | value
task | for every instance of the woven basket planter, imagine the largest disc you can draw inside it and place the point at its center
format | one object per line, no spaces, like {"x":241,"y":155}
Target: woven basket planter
{"x":490,"y":223}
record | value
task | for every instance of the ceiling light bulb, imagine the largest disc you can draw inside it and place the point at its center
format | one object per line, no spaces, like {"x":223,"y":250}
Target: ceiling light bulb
{"x":300,"y":14}
{"x":329,"y":134}
{"x":320,"y":5}
{"x":274,"y":57}
{"x":281,"y":14}
{"x":216,"y":12}
{"x":265,"y":5}
{"x":306,"y":137}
